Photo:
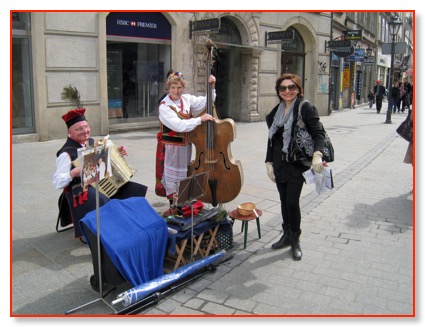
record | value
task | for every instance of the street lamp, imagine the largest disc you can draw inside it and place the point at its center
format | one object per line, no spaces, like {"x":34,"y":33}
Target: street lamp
{"x":369,"y":51}
{"x":394,"y":26}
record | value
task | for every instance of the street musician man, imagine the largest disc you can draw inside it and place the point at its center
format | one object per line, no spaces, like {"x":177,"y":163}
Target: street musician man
{"x":82,"y":200}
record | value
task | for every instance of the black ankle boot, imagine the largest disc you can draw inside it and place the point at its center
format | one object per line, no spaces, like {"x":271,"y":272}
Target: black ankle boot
{"x":283,"y":242}
{"x":295,"y":246}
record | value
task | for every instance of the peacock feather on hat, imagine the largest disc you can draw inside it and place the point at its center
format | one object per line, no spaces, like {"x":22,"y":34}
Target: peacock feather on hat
{"x":71,"y":94}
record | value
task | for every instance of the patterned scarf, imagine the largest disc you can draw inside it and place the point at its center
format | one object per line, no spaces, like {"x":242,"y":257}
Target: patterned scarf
{"x":281,"y":119}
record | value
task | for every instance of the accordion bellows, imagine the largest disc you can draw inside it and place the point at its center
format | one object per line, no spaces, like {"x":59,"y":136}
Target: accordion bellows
{"x":122,"y":172}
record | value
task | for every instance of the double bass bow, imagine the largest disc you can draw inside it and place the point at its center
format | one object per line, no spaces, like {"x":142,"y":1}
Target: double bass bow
{"x":213,"y":155}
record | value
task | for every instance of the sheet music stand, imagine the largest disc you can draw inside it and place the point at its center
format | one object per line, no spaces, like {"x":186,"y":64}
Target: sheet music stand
{"x":99,"y":260}
{"x":188,"y":192}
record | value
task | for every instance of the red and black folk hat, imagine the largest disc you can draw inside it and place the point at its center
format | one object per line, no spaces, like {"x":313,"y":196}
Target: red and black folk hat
{"x":74,"y":116}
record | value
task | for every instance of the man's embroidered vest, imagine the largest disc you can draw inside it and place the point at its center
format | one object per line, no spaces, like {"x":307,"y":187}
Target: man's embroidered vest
{"x":71,"y":147}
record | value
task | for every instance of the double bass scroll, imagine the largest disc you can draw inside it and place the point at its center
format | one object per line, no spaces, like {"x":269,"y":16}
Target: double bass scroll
{"x":213,"y":154}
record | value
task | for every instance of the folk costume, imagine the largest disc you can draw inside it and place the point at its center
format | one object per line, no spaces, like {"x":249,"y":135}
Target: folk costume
{"x":174,"y":151}
{"x":80,"y":202}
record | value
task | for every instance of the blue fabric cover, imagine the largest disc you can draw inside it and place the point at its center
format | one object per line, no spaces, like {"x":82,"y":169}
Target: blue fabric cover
{"x":133,"y":235}
{"x":139,"y":292}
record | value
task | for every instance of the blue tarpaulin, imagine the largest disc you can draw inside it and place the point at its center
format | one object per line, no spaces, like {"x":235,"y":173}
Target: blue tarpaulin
{"x":133,"y":235}
{"x":140,"y":292}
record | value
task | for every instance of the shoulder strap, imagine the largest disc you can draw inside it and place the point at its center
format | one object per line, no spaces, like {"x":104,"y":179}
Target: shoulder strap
{"x":300,"y":106}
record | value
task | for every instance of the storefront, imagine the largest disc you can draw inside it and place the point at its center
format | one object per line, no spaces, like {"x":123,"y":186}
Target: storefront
{"x":138,"y":58}
{"x":119,"y":61}
{"x":22,"y":86}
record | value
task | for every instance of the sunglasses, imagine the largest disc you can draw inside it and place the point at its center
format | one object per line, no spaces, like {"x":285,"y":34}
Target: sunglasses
{"x":283,"y":88}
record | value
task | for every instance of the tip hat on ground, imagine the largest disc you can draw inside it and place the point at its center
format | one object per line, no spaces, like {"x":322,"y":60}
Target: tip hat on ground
{"x":74,"y":116}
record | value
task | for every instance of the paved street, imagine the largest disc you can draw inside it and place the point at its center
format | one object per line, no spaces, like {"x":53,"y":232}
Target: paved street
{"x":357,"y":239}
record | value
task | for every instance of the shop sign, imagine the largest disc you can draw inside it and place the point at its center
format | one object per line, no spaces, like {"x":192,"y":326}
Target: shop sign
{"x":346,"y":78}
{"x":358,"y":56}
{"x":369,"y":61}
{"x":338,"y":45}
{"x":205,"y":26}
{"x":340,"y":48}
{"x":149,"y":25}
{"x":399,"y":48}
{"x":279,"y":37}
{"x":353,"y":35}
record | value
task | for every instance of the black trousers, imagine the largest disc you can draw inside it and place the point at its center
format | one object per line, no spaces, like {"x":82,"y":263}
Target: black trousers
{"x":290,"y":193}
{"x":378,"y":103}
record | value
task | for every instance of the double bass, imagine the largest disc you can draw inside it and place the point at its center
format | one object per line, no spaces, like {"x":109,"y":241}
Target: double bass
{"x":213,"y":155}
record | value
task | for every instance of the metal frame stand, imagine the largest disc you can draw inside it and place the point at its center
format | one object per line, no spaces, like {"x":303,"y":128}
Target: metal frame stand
{"x":99,"y":262}
{"x":193,"y":188}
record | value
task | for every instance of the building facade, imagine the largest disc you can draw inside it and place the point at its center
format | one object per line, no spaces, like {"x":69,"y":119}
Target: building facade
{"x":119,"y":60}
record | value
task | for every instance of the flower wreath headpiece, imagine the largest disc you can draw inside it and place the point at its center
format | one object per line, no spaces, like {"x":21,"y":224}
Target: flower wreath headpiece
{"x":175,"y":75}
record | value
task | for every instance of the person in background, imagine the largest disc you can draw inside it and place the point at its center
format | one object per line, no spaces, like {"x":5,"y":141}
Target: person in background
{"x":370,"y":98}
{"x":68,"y":177}
{"x":408,"y":157}
{"x":127,"y":89}
{"x":408,"y":98}
{"x":179,"y":113}
{"x":402,"y":98}
{"x":282,"y":167}
{"x":379,"y":91}
{"x":394,"y":97}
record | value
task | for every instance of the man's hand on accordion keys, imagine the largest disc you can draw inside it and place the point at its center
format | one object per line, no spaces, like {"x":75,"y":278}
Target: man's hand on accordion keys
{"x":122,"y":150}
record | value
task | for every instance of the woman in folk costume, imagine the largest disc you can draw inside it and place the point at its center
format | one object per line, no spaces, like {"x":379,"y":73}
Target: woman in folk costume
{"x":179,"y":114}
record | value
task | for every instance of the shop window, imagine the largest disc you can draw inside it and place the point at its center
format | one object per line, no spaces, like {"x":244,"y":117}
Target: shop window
{"x":138,"y":58}
{"x":136,"y":79}
{"x":22,"y":99}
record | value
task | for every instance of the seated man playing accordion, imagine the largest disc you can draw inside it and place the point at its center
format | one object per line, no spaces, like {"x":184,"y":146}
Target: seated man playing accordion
{"x":82,"y":200}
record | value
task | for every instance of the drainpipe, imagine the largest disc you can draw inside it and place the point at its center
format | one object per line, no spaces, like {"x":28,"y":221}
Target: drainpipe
{"x":330,"y":69}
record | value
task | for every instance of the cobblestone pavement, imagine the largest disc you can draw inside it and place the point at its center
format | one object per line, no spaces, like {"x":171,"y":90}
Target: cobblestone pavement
{"x":357,"y":240}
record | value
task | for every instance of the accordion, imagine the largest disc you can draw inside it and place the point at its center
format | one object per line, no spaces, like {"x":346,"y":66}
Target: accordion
{"x":117,"y":174}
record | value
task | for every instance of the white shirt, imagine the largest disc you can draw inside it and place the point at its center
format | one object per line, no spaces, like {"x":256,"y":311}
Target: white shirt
{"x":61,"y":177}
{"x":190,"y":103}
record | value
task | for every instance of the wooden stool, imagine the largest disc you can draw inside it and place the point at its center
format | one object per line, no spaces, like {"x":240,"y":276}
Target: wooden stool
{"x":245,"y":219}
{"x":183,"y":246}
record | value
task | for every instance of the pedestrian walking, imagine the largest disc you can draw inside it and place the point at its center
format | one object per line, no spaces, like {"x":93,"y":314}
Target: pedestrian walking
{"x":402,"y":98}
{"x":379,"y":91}
{"x":394,"y":97}
{"x":370,"y":98}
{"x":408,"y":98}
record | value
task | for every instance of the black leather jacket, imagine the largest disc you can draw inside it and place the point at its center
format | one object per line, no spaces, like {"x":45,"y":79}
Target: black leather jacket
{"x":310,"y":117}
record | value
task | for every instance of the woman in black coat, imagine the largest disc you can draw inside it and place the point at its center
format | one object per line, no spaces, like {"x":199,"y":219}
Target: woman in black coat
{"x":283,"y":168}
